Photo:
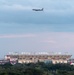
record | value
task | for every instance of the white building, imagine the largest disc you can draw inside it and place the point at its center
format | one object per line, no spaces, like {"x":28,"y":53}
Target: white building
{"x":33,"y":58}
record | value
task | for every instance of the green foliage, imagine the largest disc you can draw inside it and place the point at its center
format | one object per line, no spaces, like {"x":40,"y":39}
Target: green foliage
{"x":39,"y":68}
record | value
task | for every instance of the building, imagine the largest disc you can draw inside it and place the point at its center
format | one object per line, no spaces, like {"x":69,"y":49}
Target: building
{"x":33,"y":58}
{"x":3,"y":61}
{"x":71,"y":61}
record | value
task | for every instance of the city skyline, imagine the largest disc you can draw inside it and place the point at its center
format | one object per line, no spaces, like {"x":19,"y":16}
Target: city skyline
{"x":24,"y":30}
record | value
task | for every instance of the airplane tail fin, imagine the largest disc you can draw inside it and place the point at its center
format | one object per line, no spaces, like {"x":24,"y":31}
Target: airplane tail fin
{"x":42,"y":8}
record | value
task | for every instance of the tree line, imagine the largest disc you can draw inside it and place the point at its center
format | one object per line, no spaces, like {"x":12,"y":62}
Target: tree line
{"x":39,"y":68}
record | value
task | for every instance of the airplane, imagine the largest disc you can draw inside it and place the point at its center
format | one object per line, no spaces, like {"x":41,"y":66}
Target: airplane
{"x":38,"y":9}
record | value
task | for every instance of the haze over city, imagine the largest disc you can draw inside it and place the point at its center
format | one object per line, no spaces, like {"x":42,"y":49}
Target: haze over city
{"x":24,"y":30}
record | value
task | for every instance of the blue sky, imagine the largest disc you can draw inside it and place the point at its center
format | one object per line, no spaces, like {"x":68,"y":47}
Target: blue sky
{"x":24,"y":30}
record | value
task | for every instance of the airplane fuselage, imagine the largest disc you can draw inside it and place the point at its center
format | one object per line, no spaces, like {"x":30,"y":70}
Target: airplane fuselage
{"x":37,"y":9}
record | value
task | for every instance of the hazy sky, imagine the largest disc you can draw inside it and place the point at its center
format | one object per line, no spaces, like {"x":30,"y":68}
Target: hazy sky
{"x":24,"y":30}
